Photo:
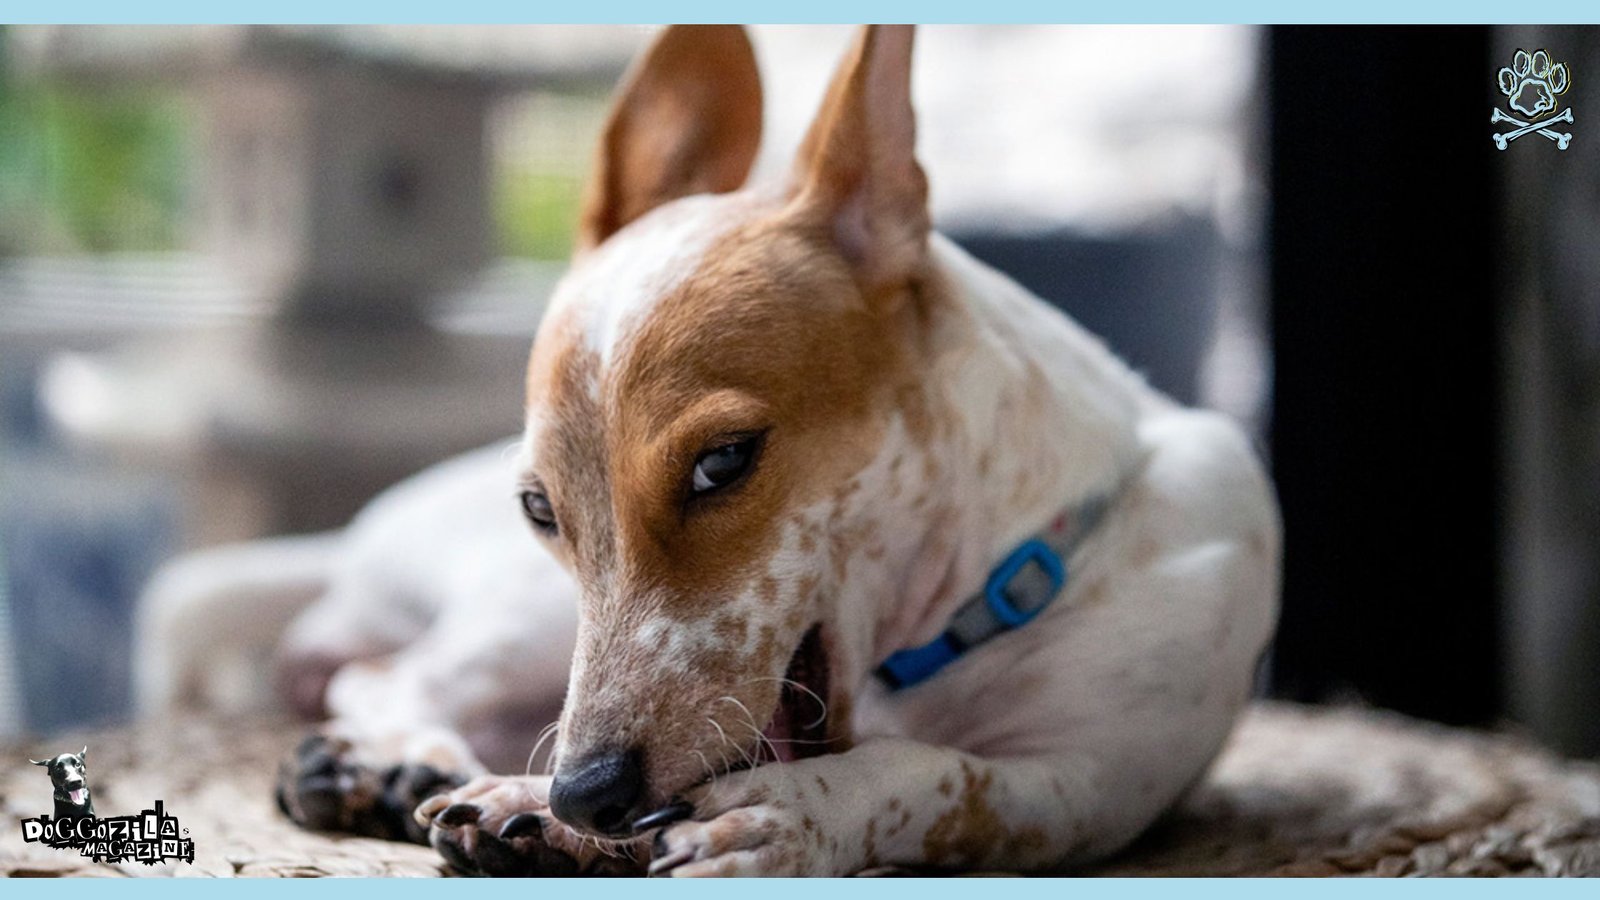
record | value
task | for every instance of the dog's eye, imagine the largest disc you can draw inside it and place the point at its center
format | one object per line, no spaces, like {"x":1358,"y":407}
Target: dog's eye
{"x":722,"y":466}
{"x":536,"y":506}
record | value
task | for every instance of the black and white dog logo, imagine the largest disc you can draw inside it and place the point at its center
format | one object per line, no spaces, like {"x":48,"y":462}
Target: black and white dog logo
{"x":150,"y":836}
{"x":71,"y":780}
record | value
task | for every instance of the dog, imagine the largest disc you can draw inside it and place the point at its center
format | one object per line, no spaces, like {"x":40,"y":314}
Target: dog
{"x":825,"y":546}
{"x":69,"y":778}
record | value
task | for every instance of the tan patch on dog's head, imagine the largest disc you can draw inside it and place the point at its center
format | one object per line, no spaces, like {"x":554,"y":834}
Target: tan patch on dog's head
{"x":786,"y":319}
{"x":770,"y":336}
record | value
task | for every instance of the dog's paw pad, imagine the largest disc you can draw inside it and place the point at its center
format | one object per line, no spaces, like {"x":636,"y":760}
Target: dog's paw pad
{"x":516,"y":848}
{"x":406,"y":786}
{"x":322,"y":787}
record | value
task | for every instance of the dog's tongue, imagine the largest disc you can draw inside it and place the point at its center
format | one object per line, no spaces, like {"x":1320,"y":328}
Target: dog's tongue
{"x":76,"y":795}
{"x":780,"y":734}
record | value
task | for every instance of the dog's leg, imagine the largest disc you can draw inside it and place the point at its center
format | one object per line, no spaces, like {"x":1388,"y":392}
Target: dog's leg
{"x":469,"y":696}
{"x":889,"y":802}
{"x":446,"y":537}
{"x":207,"y":622}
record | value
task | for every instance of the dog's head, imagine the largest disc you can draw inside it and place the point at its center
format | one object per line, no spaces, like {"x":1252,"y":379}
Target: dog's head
{"x":69,"y":775}
{"x":715,"y":375}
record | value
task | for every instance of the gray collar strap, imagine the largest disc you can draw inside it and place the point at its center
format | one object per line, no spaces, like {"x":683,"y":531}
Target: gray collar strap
{"x":1029,"y":579}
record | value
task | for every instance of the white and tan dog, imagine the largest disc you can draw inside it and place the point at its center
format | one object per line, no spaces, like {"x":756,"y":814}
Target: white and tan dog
{"x":849,"y":552}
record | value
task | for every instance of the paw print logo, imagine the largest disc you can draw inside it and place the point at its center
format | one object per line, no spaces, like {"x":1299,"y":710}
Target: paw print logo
{"x":1532,"y":84}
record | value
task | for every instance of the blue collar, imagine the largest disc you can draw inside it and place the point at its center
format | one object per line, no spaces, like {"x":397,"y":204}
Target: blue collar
{"x":1027,"y":581}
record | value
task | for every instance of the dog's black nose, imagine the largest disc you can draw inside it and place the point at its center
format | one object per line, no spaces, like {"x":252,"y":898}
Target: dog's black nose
{"x":600,"y":792}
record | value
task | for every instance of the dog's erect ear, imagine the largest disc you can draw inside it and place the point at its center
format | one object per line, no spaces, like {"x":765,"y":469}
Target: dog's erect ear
{"x":84,"y":754}
{"x":687,"y":120}
{"x":39,"y":762}
{"x":857,"y":168}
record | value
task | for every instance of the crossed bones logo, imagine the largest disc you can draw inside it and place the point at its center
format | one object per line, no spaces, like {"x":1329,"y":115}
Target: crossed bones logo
{"x":1531,"y":85}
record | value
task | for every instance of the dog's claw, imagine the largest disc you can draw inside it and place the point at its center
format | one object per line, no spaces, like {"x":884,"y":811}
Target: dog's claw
{"x":522,"y":825}
{"x":661,"y":865}
{"x":457,"y":814}
{"x":666,"y":815}
{"x":663,"y":859}
{"x":517,"y":850}
{"x":497,"y":826}
{"x":427,"y":809}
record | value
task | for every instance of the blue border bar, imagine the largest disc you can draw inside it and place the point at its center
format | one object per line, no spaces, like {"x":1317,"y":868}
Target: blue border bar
{"x":818,"y":11}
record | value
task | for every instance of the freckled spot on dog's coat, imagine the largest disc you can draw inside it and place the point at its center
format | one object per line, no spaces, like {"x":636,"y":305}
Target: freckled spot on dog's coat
{"x":768,"y":589}
{"x":971,"y":829}
{"x":731,"y":630}
{"x":1090,"y":594}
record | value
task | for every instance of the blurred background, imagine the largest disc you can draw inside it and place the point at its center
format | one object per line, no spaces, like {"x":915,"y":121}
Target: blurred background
{"x":249,"y":276}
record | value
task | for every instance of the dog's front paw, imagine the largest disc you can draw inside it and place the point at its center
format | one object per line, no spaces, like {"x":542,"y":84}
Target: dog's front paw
{"x":323,"y":787}
{"x":737,"y":834}
{"x":502,"y":826}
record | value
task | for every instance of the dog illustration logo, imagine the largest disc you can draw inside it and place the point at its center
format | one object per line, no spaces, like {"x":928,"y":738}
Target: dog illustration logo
{"x":1533,"y":84}
{"x":69,"y":775}
{"x":152,"y":836}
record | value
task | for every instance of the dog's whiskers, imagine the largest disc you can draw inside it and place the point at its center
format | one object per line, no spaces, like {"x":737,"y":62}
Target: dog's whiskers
{"x":764,"y":741}
{"x":727,"y":741}
{"x":544,"y":735}
{"x":705,"y":766}
{"x":822,"y":705}
{"x":729,"y":698}
{"x":725,"y":760}
{"x":750,"y":722}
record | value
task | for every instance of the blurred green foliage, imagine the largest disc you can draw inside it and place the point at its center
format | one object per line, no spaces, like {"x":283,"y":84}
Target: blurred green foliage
{"x":535,"y":212}
{"x":89,"y":169}
{"x":544,"y":146}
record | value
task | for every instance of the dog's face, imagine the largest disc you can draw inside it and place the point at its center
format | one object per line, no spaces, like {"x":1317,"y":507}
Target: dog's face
{"x":69,"y":775}
{"x":713,"y":374}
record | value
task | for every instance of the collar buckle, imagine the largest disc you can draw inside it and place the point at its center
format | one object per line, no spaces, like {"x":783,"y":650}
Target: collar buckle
{"x":1014,"y":608}
{"x":1028,"y":580}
